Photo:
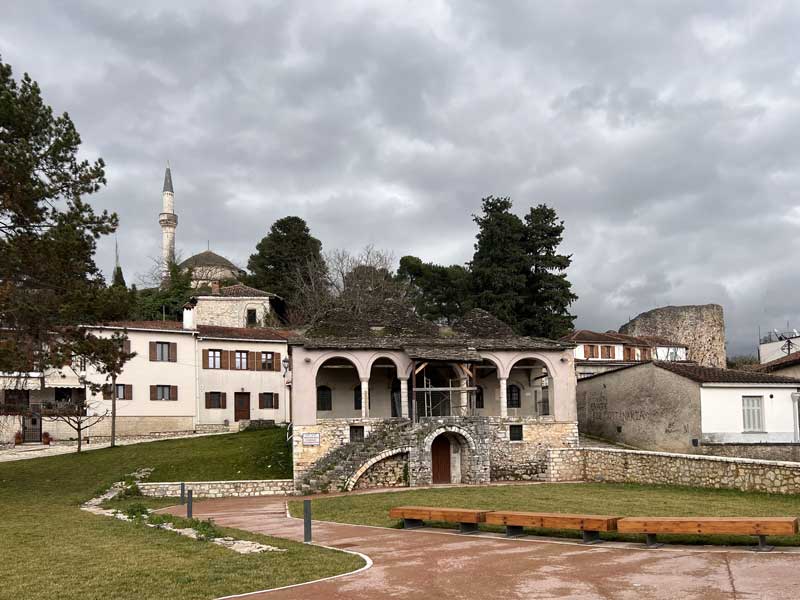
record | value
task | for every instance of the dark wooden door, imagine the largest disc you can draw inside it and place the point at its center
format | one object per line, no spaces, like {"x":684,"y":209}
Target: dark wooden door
{"x":241,"y":406}
{"x":440,"y":460}
{"x":32,"y":428}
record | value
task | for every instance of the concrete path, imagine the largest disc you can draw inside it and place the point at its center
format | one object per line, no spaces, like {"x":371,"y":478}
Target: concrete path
{"x":433,"y":564}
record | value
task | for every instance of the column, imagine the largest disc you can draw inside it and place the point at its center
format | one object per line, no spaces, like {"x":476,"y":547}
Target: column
{"x":404,"y":398}
{"x":365,"y":397}
{"x":503,"y":397}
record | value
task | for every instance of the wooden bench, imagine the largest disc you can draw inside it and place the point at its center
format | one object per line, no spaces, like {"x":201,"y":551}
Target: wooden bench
{"x":589,"y":525}
{"x":758,"y":526}
{"x":413,"y":516}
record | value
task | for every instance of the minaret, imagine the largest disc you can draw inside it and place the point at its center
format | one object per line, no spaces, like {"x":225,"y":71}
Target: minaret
{"x":168,"y":221}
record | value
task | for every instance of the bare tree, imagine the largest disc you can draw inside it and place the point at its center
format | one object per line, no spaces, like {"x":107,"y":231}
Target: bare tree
{"x":75,"y":415}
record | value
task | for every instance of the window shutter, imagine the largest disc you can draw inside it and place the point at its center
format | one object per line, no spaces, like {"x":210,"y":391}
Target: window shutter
{"x":126,"y":346}
{"x":258,"y":360}
{"x":128,"y":392}
{"x":275,"y":400}
{"x":225,"y":359}
{"x":173,"y":352}
{"x":276,"y":361}
{"x":251,"y":361}
{"x":205,"y":361}
{"x":223,"y":400}
{"x":208,"y":399}
{"x":173,"y":392}
{"x":107,"y":391}
{"x":612,"y":352}
{"x":152,"y":352}
{"x":262,"y":400}
{"x":153,"y":392}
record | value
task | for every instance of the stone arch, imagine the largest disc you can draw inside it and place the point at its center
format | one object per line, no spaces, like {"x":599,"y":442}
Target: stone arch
{"x":507,"y":365}
{"x":353,"y":479}
{"x":348,"y":356}
{"x":461,"y":431}
{"x":399,"y":364}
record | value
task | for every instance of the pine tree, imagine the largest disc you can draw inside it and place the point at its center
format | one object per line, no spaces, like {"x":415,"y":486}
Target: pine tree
{"x":548,"y":294}
{"x":439,"y":293}
{"x":499,"y":266}
{"x":118,"y":279}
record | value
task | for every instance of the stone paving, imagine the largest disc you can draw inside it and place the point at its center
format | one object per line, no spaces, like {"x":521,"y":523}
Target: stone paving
{"x":442,"y":564}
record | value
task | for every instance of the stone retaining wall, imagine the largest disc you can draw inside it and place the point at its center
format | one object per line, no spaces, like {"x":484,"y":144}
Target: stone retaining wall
{"x":220,"y":489}
{"x":782,"y":452}
{"x":633,"y":466}
{"x":527,"y":459}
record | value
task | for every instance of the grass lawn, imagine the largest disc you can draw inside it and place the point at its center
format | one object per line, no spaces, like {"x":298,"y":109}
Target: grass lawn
{"x":585,"y":498}
{"x":52,"y":549}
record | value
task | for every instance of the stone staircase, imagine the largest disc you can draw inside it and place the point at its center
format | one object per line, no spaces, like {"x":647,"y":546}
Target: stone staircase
{"x":332,"y":472}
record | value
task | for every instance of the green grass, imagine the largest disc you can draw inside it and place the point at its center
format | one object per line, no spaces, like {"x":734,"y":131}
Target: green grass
{"x":585,"y":498}
{"x":52,"y":549}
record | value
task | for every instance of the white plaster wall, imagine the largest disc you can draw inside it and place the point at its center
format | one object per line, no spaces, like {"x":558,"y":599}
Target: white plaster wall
{"x":231,"y":381}
{"x":580,"y":353}
{"x":721,"y":414}
{"x":772,"y":350}
{"x":229,"y":312}
{"x":141,"y":374}
{"x":488,"y":380}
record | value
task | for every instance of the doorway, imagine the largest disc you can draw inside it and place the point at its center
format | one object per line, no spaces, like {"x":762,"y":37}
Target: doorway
{"x":440,"y":460}
{"x":241,"y":406}
{"x":32,"y":429}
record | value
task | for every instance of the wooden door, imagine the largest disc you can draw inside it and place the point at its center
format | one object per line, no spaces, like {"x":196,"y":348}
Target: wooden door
{"x":241,"y":406}
{"x":440,"y":460}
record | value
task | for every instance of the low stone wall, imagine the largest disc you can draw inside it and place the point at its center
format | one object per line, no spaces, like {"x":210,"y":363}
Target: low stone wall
{"x":220,"y":489}
{"x":781,"y":452}
{"x":632,"y":466}
{"x":389,"y":472}
{"x":527,"y":459}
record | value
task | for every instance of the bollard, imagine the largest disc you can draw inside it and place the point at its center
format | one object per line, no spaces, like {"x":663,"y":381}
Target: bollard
{"x":183,"y":493}
{"x":307,"y":521}
{"x":189,"y":504}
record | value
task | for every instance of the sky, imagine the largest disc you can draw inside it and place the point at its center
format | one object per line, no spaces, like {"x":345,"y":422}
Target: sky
{"x":666,"y":135}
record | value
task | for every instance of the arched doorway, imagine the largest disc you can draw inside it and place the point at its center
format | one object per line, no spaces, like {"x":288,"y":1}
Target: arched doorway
{"x":440,"y":460}
{"x":338,"y":389}
{"x":529,"y":389}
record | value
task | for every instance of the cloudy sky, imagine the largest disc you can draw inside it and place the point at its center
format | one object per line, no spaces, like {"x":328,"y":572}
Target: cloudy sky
{"x":666,"y":136}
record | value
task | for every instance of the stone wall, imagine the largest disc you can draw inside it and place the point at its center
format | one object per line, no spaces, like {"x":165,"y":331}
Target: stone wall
{"x":333,"y":433}
{"x":134,"y":427}
{"x":781,"y":452}
{"x":658,"y":468}
{"x":700,"y":327}
{"x":389,"y":472}
{"x":229,"y":311}
{"x":527,"y":459}
{"x":220,"y":489}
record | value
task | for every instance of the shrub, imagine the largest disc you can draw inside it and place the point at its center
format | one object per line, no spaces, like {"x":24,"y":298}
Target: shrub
{"x":158,"y":519}
{"x":206,"y":530}
{"x":137,"y":511}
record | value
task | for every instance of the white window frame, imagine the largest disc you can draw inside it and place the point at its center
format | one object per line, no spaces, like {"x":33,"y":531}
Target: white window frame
{"x":163,"y":393}
{"x":120,"y":391}
{"x":162,"y":351}
{"x":215,"y":359}
{"x":266,"y":360}
{"x":753,"y":414}
{"x":240,"y":360}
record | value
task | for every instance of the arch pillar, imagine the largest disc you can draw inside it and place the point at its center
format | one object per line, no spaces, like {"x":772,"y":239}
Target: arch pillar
{"x":365,"y":397}
{"x":503,"y":397}
{"x":404,"y":409}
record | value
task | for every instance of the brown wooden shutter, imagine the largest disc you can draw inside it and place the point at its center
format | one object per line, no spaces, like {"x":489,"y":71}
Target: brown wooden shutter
{"x":258,"y":361}
{"x":107,"y":391}
{"x":126,"y":346}
{"x":208,"y":399}
{"x":205,"y":359}
{"x":173,"y":392}
{"x":251,"y":361}
{"x":173,"y":352}
{"x":275,"y":401}
{"x":153,"y":395}
{"x":128,"y":392}
{"x":223,"y":397}
{"x":225,"y":359}
{"x":612,"y":352}
{"x":152,"y":351}
{"x":262,"y":400}
{"x":276,"y":361}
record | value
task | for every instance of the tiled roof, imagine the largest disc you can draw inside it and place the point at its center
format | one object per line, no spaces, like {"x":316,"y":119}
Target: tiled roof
{"x":165,"y":325}
{"x":207,"y":258}
{"x":241,"y":333}
{"x":701,"y":374}
{"x":239,"y":290}
{"x":481,"y":323}
{"x":612,"y":337}
{"x":465,"y":345}
{"x":789,"y":360}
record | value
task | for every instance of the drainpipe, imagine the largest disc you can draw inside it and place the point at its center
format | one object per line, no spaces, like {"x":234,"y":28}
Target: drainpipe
{"x":795,"y":405}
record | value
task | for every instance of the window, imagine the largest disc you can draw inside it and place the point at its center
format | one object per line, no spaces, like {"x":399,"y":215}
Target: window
{"x":62,"y":395}
{"x":266,"y":361}
{"x":120,"y":391}
{"x":324,"y":398}
{"x":214,"y":400}
{"x":268,"y":400}
{"x":515,"y":433}
{"x":479,"y":397}
{"x":356,"y":433}
{"x":646,"y":354}
{"x":162,"y":351}
{"x":753,"y":413}
{"x":164,"y":392}
{"x":240,"y":360}
{"x":589,"y":351}
{"x":252,"y":318}
{"x":608,"y":352}
{"x":513,"y":396}
{"x":357,"y":397}
{"x":215,"y":359}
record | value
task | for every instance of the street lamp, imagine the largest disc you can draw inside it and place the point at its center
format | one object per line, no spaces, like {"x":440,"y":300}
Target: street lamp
{"x":285,"y":363}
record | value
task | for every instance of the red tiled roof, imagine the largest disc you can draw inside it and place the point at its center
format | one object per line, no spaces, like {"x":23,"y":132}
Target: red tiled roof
{"x":713,"y":375}
{"x":165,"y":325}
{"x":612,"y":337}
{"x":239,"y":290}
{"x":241,"y":333}
{"x":789,"y":360}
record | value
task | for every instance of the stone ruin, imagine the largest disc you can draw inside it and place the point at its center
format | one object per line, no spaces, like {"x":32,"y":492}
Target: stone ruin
{"x":700,"y":327}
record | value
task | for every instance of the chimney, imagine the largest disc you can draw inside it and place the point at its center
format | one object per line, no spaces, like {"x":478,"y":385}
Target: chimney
{"x":215,"y":288}
{"x":188,"y":315}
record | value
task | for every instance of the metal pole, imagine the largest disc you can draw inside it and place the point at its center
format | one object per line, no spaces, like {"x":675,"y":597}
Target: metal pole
{"x":183,"y":493}
{"x":189,"y":504}
{"x":307,"y":521}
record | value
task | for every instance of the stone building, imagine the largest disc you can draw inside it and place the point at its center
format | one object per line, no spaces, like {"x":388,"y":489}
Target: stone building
{"x":394,"y":400}
{"x":700,"y":327}
{"x":684,"y":407}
